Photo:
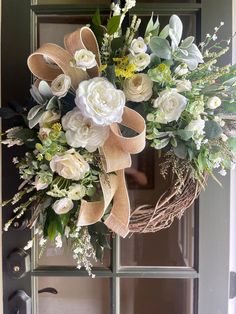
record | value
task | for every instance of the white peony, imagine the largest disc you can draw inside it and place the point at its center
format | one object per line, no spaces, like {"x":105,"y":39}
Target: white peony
{"x":71,"y":165}
{"x":100,"y":101}
{"x":137,"y":46}
{"x":39,"y":185}
{"x":196,"y":126}
{"x":138,"y":88}
{"x":61,"y":85}
{"x":170,"y":105}
{"x":48,"y":118}
{"x":140,"y":60}
{"x":85,"y":59}
{"x":76,"y":192}
{"x":183,"y":86}
{"x":81,"y":132}
{"x":213,"y":102}
{"x":63,"y":206}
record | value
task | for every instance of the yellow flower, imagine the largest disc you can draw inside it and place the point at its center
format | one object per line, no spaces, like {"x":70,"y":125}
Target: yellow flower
{"x":124,"y":68}
{"x":102,"y":67}
{"x":56,"y":127}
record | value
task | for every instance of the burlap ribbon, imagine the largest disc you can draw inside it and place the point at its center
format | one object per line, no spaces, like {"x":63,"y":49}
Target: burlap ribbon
{"x":116,"y":150}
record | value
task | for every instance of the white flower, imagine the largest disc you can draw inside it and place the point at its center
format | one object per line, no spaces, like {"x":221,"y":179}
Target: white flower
{"x":196,"y":126}
{"x":170,"y":104}
{"x":138,"y":88}
{"x":181,"y":70}
{"x":63,"y":206}
{"x":42,"y":241}
{"x":213,"y":102}
{"x":222,"y":172}
{"x":48,"y":118}
{"x":85,"y":59}
{"x":140,"y":60}
{"x":39,"y":185}
{"x":129,"y":4}
{"x":214,"y":37}
{"x":116,"y":9}
{"x":28,"y":245}
{"x":61,"y":85}
{"x":70,"y":165}
{"x":100,"y":101}
{"x":76,"y":192}
{"x":183,"y":86}
{"x":224,"y":137}
{"x":58,"y":241}
{"x":67,"y":231}
{"x":222,"y":23}
{"x":81,"y":132}
{"x":15,"y":160}
{"x":137,"y":46}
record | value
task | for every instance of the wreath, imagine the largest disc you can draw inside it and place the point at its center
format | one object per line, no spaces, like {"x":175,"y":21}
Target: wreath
{"x":86,"y":98}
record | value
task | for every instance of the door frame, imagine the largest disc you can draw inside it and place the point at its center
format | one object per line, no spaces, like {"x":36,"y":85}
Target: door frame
{"x":211,"y":273}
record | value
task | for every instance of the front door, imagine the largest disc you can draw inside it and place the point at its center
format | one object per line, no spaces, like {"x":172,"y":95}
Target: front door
{"x":180,"y":270}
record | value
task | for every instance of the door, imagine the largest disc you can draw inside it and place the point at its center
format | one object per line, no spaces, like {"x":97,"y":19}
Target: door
{"x":180,"y":270}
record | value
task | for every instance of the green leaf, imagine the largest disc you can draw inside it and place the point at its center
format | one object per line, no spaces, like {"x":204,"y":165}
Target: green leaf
{"x":103,"y":241}
{"x":165,"y":32}
{"x":181,"y":150}
{"x":212,"y":129}
{"x":52,"y":230}
{"x":159,"y":144}
{"x":160,"y":47}
{"x":184,"y":134}
{"x":232,"y":144}
{"x":113,"y":24}
{"x":228,"y":107}
{"x":187,"y":42}
{"x":96,"y":19}
{"x":117,"y":43}
{"x":152,"y":28}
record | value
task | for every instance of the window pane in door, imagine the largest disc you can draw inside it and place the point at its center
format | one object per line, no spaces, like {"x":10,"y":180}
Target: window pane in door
{"x":107,"y":2}
{"x":154,"y":296}
{"x":74,"y":295}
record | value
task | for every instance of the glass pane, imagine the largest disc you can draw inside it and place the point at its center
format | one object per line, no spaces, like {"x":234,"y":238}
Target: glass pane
{"x":169,"y":247}
{"x":154,"y":296}
{"x":74,"y":295}
{"x":52,"y":256}
{"x":95,"y":2}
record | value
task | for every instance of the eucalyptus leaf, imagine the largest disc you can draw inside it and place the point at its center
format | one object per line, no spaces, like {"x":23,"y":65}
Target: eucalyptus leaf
{"x":160,"y":47}
{"x":181,"y":150}
{"x":212,"y":129}
{"x":184,"y":134}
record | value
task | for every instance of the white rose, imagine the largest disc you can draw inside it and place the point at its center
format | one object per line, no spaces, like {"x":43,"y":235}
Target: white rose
{"x":181,"y":70}
{"x":183,"y":86}
{"x":63,"y":206}
{"x":140,"y":60}
{"x":138,"y":88}
{"x":196,"y":126}
{"x":39,"y":185}
{"x":170,"y":104}
{"x":70,"y":165}
{"x":85,"y":59}
{"x":81,"y":132}
{"x":76,"y":192}
{"x":213,"y":102}
{"x":61,"y":85}
{"x":100,"y":101}
{"x":48,"y":118}
{"x":138,"y":45}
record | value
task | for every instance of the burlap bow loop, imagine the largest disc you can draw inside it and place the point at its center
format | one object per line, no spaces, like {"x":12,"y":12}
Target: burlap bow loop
{"x":117,"y":148}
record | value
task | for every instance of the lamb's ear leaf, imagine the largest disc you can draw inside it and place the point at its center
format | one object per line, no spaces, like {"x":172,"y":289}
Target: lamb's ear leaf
{"x":176,"y":29}
{"x":181,"y":150}
{"x":212,"y":129}
{"x":160,"y":47}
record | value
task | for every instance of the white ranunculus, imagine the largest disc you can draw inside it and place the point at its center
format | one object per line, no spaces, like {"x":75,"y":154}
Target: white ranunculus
{"x":61,"y":85}
{"x":138,"y":88}
{"x":100,"y":101}
{"x":183,"y":86}
{"x":81,"y":132}
{"x":170,"y":105}
{"x":76,"y":192}
{"x":137,"y":46}
{"x":196,"y":126}
{"x":63,"y":206}
{"x":48,"y":118}
{"x":85,"y":59}
{"x":71,"y":165}
{"x":140,"y":60}
{"x":213,"y":102}
{"x":181,"y":69}
{"x":39,"y":185}
{"x":129,"y":4}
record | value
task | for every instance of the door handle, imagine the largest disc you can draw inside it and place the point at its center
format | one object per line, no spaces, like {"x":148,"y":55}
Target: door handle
{"x":18,"y":263}
{"x":48,"y":290}
{"x":19,"y":303}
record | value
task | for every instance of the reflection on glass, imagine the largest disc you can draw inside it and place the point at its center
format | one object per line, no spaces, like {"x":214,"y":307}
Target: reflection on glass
{"x":107,"y":2}
{"x":154,"y":296}
{"x":75,"y":295}
{"x":52,"y":256}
